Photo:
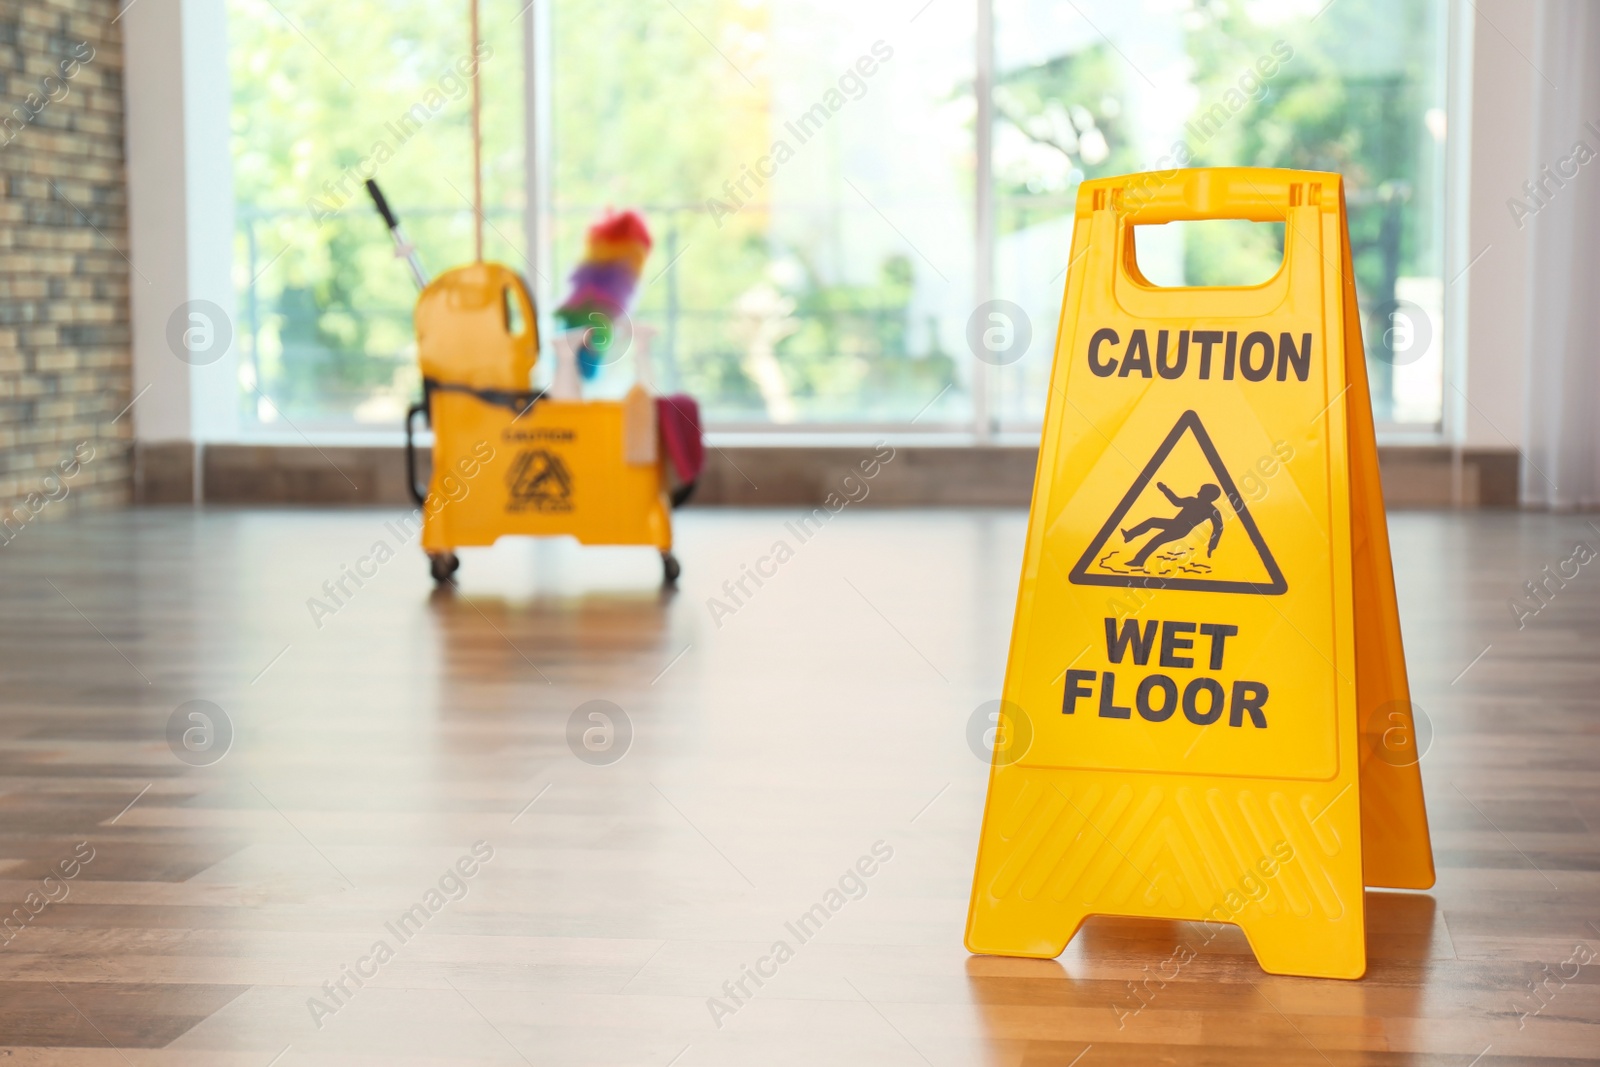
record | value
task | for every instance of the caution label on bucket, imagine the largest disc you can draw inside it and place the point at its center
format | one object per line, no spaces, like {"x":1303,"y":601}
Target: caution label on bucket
{"x":538,"y":481}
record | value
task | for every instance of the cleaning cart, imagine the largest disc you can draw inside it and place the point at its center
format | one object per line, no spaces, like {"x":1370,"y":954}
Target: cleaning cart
{"x":509,"y":459}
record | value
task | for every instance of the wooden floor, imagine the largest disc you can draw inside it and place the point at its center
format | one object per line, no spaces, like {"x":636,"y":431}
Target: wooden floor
{"x":188,"y":911}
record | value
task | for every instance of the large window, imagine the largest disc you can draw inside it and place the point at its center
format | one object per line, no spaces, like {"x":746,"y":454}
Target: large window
{"x":810,"y":172}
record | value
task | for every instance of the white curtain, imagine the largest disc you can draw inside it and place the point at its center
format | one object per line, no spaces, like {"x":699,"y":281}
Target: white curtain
{"x":1561,"y":466}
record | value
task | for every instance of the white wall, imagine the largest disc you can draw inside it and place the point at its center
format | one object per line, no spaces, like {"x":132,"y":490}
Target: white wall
{"x":1493,"y":289}
{"x":180,"y":217}
{"x":1560,"y":219}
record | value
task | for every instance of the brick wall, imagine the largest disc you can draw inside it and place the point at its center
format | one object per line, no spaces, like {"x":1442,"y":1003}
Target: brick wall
{"x":64,"y":339}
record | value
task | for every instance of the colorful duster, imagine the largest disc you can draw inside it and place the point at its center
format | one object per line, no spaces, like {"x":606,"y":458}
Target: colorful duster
{"x":604,"y":283}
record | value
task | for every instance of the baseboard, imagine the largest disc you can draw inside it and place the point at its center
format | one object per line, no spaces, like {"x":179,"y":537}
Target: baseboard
{"x":328,"y":474}
{"x":753,"y":476}
{"x":762,"y":475}
{"x":163,"y":472}
{"x":1444,"y":477}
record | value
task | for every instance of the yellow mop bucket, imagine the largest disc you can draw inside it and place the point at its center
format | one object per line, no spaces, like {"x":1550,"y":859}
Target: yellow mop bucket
{"x":507,"y":460}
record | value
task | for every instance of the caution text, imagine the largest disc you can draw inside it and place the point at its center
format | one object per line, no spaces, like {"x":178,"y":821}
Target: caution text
{"x":1202,"y":354}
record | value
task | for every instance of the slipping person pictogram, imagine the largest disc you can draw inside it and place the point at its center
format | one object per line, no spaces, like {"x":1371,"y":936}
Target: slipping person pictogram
{"x":539,"y":481}
{"x":1169,"y":559}
{"x":1192,"y":511}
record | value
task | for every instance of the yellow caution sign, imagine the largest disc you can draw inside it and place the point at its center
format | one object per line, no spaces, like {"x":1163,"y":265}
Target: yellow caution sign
{"x":1206,"y":648}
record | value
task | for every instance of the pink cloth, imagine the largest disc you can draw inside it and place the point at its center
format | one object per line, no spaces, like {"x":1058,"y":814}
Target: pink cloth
{"x":678,"y":417}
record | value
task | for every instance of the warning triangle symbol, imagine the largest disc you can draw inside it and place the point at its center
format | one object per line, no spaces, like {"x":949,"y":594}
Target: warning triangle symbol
{"x":1182,"y":525}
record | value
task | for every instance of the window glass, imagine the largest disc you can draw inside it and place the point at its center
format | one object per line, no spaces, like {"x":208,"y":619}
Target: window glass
{"x":1108,"y":86}
{"x":324,"y":97}
{"x":805,"y":168}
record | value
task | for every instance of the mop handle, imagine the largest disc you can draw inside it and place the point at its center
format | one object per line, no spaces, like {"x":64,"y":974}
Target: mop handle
{"x":402,"y":247}
{"x":477,"y":138}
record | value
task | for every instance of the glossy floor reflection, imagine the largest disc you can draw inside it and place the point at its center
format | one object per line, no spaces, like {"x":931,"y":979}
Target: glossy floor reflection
{"x":424,"y":771}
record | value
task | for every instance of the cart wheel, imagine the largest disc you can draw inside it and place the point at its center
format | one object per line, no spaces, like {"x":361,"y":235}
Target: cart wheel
{"x":443,"y":565}
{"x":670,"y":569}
